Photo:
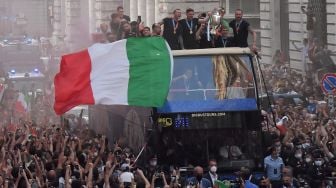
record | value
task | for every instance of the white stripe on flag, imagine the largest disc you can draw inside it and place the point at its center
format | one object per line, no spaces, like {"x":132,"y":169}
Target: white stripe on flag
{"x":109,"y":73}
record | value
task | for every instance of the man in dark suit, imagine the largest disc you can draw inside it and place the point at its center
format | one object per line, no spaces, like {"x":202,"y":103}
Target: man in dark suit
{"x":212,"y":174}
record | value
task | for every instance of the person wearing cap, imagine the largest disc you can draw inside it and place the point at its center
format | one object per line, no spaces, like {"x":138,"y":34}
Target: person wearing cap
{"x":126,"y":177}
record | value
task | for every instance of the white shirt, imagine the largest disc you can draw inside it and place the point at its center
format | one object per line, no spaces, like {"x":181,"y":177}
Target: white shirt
{"x":213,"y":178}
{"x":126,"y":177}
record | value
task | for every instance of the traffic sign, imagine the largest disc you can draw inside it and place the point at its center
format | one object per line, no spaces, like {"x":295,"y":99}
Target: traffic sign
{"x":328,"y":83}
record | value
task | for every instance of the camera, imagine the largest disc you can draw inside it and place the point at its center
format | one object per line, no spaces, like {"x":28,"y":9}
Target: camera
{"x":238,"y":182}
{"x":191,"y":184}
{"x":118,"y":158}
{"x":20,"y":169}
{"x":173,"y":179}
{"x":127,"y":184}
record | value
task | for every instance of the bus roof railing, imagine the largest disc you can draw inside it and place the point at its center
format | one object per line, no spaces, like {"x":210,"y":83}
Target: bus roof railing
{"x":213,"y":51}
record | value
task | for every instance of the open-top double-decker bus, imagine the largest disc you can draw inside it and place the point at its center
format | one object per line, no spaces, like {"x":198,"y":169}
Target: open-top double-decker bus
{"x":212,"y":110}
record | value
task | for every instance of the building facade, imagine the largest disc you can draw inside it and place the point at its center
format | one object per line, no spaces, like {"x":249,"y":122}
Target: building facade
{"x":278,"y":23}
{"x":281,"y":27}
{"x":75,"y":20}
{"x":25,"y":17}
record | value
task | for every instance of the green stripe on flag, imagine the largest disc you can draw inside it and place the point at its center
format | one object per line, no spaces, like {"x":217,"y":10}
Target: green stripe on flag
{"x":150,"y":71}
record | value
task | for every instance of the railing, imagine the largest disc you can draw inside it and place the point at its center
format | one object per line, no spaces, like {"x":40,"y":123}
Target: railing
{"x":239,"y":89}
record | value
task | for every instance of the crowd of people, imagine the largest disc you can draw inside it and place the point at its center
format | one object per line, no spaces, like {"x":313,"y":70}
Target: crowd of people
{"x":301,"y":147}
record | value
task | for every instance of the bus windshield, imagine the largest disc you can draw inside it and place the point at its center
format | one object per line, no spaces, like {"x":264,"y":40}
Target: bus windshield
{"x":212,"y":104}
{"x":211,"y":83}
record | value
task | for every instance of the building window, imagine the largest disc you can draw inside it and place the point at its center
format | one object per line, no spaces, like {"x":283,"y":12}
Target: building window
{"x":248,"y":6}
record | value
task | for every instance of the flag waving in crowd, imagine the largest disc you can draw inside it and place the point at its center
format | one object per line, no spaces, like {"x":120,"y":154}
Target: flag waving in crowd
{"x":21,"y":104}
{"x":134,"y":71}
{"x":2,"y":90}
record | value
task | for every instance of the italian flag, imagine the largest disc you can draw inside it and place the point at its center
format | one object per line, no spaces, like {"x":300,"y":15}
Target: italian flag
{"x":134,"y":71}
{"x":21,"y":104}
{"x":2,"y":91}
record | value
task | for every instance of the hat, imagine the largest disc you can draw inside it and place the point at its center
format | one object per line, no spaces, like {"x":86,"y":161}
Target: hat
{"x":244,"y":170}
{"x":124,"y":166}
{"x":153,"y":157}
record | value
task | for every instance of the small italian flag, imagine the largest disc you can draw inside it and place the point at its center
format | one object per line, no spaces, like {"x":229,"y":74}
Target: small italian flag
{"x":2,"y":91}
{"x":21,"y":104}
{"x":134,"y":71}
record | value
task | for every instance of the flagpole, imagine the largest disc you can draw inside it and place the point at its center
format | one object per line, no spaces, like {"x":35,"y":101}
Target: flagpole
{"x":136,"y":159}
{"x":62,"y":120}
{"x":12,"y":116}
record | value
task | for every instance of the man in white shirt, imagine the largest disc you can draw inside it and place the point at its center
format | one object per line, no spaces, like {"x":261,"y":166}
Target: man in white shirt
{"x":304,"y":54}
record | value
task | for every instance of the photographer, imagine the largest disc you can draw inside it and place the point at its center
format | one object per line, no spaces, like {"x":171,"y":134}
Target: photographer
{"x":159,"y":180}
{"x":22,"y":180}
{"x":175,"y":179}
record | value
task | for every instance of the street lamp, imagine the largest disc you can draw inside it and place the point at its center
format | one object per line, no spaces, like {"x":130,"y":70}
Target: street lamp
{"x":45,"y":61}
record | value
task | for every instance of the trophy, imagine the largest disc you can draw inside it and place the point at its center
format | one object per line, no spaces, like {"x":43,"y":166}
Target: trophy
{"x":213,"y":23}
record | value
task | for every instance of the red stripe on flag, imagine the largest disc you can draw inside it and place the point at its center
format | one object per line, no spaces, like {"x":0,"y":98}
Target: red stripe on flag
{"x":72,"y":83}
{"x":19,"y":107}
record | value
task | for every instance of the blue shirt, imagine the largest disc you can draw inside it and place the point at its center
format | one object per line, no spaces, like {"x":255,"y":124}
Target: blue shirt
{"x":311,"y":108}
{"x":205,"y":183}
{"x":248,"y":184}
{"x":273,"y":167}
